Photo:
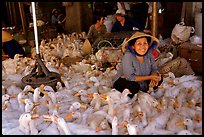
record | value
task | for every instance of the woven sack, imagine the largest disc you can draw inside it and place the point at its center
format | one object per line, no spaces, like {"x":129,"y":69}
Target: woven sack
{"x":178,"y":66}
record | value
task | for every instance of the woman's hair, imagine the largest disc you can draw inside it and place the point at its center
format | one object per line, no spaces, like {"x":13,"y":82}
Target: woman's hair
{"x":132,"y":42}
{"x":97,"y":18}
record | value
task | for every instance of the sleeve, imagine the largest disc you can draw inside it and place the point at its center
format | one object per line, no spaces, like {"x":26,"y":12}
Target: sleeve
{"x":90,"y":32}
{"x":127,"y":65}
{"x":53,"y":20}
{"x":154,"y":67}
{"x":114,"y":27}
{"x":104,"y":30}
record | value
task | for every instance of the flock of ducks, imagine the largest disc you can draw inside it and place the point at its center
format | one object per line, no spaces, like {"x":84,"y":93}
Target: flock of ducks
{"x":88,"y":105}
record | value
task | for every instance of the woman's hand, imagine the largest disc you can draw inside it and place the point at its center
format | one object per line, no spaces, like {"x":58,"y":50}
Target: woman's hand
{"x":155,"y":78}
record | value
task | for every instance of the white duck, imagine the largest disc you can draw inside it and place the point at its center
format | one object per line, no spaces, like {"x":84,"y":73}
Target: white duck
{"x":24,"y":123}
{"x":114,"y":126}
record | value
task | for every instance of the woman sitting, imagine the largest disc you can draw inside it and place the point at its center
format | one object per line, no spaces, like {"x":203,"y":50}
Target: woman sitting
{"x":138,"y":70}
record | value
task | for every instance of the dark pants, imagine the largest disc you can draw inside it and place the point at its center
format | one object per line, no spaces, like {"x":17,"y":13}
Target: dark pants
{"x":12,"y":47}
{"x":133,"y":86}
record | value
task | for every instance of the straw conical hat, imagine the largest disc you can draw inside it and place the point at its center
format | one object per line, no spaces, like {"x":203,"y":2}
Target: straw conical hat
{"x":141,"y":34}
{"x":86,"y":48}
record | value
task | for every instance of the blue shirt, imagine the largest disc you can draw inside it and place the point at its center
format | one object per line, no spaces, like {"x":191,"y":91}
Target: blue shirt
{"x":128,"y":25}
{"x":130,"y":67}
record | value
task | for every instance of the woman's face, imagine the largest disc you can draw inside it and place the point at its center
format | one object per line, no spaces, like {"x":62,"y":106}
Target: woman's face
{"x":141,"y":46}
{"x":101,"y":20}
{"x":119,"y":17}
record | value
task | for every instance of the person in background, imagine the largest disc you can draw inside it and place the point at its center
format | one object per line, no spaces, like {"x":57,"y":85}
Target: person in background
{"x":124,"y":22}
{"x":96,"y":29}
{"x":138,"y":71}
{"x":10,"y":46}
{"x":54,"y":18}
{"x":61,"y":22}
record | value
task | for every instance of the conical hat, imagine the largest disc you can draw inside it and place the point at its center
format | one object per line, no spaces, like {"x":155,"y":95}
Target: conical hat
{"x":141,"y":34}
{"x":86,"y":48}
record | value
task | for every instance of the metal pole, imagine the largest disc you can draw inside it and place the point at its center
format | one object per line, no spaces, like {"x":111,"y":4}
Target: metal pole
{"x":154,"y":19}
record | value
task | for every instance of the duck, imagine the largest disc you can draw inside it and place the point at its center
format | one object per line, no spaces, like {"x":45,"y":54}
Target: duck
{"x":24,"y":123}
{"x":190,"y":125}
{"x":84,"y":96}
{"x":173,"y":124}
{"x":52,"y":128}
{"x":132,"y":129}
{"x":104,"y":125}
{"x":114,"y":126}
{"x":13,"y":89}
{"x":184,"y":132}
{"x":96,"y":101}
{"x":74,"y":116}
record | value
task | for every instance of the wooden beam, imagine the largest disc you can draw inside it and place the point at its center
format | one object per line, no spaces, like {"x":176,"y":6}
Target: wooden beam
{"x":22,"y":13}
{"x":154,"y":19}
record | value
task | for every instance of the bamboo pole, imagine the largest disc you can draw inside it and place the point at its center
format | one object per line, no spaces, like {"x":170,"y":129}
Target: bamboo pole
{"x":154,"y":19}
{"x":11,"y":19}
{"x":13,"y":13}
{"x":22,"y":13}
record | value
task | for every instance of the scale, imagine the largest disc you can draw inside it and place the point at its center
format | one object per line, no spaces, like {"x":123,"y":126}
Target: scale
{"x":40,"y":74}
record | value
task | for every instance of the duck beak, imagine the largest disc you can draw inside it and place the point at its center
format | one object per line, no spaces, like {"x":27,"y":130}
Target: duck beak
{"x":190,"y":91}
{"x":34,"y":116}
{"x":20,"y":55}
{"x":22,"y":100}
{"x":37,"y":104}
{"x":149,"y":91}
{"x":103,"y":97}
{"x":159,"y":107}
{"x":83,"y":106}
{"x":90,"y":95}
{"x":180,"y":123}
{"x":47,"y":117}
{"x":124,"y":124}
{"x":112,"y":67}
{"x":12,"y":96}
{"x":4,"y":107}
{"x":197,"y":118}
{"x":46,"y":102}
{"x":68,"y":117}
{"x":32,"y":89}
{"x":176,"y":104}
{"x":165,"y":75}
{"x":44,"y":92}
{"x":29,"y":59}
{"x":57,"y":106}
{"x":140,"y":115}
{"x":61,"y":72}
{"x":161,"y":86}
{"x":34,"y":109}
{"x":77,"y":94}
{"x":171,"y":81}
{"x":99,"y":128}
{"x":190,"y":104}
{"x":55,"y":119}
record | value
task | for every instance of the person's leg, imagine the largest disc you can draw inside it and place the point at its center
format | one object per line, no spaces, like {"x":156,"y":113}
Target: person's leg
{"x":11,"y":48}
{"x":122,"y":84}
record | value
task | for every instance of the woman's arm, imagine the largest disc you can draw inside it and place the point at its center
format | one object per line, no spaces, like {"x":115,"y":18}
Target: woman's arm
{"x":90,"y":32}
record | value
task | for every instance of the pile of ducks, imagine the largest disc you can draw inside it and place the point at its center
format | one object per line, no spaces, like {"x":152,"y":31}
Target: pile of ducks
{"x":88,"y":105}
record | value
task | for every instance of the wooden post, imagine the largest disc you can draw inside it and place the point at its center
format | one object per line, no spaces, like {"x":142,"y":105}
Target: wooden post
{"x":10,"y":13}
{"x":154,"y":19}
{"x":22,"y":13}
